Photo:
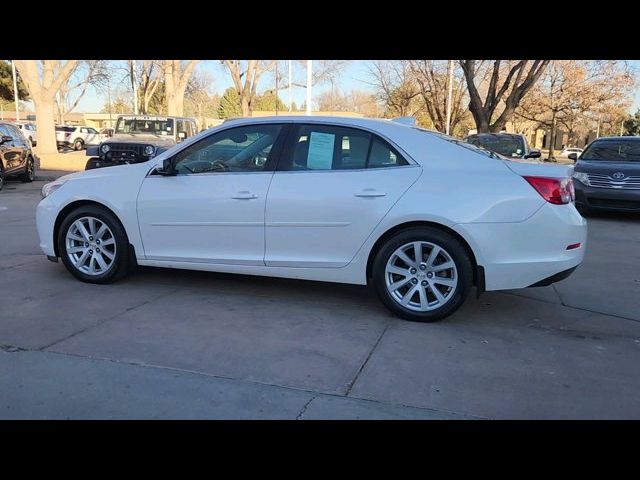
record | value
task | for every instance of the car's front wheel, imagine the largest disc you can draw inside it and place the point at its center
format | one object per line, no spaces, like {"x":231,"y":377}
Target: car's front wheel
{"x":78,"y":144}
{"x":93,"y":245}
{"x":422,"y":274}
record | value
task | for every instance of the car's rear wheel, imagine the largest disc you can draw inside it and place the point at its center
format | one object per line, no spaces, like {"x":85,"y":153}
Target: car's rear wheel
{"x":422,"y":274}
{"x":93,"y":245}
{"x":78,"y":144}
{"x":29,"y":170}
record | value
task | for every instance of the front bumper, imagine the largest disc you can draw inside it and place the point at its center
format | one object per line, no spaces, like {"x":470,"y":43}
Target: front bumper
{"x":45,"y":222}
{"x":613,"y":199}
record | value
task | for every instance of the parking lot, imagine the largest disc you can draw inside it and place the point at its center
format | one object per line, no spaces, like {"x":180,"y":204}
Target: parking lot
{"x":178,"y":344}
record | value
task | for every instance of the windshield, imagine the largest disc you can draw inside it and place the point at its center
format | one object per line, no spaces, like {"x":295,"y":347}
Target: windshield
{"x":613,"y":151}
{"x":468,"y":146}
{"x":506,"y":145}
{"x":148,"y":125}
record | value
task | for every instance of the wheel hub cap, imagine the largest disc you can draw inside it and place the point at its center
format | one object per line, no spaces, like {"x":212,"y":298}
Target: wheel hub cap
{"x":421,"y":276}
{"x":91,"y":246}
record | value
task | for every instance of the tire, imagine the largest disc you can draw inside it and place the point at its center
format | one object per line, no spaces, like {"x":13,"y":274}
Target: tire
{"x":1,"y":176}
{"x":29,"y":170}
{"x":423,"y":302}
{"x":116,"y":267}
{"x":584,"y":210}
{"x":78,"y":144}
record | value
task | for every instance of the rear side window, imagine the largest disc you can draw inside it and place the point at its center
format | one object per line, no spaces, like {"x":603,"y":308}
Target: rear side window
{"x":66,"y":129}
{"x":324,"y":147}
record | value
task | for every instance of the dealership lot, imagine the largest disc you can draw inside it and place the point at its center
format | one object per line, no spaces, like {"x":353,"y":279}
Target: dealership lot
{"x":178,"y":344}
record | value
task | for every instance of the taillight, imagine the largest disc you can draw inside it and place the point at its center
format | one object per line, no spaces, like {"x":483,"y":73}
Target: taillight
{"x":558,"y":191}
{"x":67,"y":134}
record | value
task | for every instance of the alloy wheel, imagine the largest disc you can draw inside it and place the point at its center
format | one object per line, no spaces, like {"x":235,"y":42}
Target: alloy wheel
{"x":90,"y":246}
{"x":421,"y":276}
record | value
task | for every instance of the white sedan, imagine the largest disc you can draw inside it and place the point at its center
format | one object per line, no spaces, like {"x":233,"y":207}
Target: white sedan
{"x":420,"y":216}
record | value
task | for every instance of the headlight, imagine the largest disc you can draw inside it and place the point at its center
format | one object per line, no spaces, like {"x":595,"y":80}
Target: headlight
{"x":149,"y":150}
{"x":581,"y":177}
{"x":105,"y":148}
{"x":51,"y":187}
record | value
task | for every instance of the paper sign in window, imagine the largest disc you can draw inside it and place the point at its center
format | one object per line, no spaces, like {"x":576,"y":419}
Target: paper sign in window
{"x":320,"y":155}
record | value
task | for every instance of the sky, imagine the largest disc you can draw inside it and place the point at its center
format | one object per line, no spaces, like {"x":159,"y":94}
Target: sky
{"x":355,"y":76}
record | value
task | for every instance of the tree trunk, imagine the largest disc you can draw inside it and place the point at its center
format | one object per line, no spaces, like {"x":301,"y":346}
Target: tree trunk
{"x":45,"y":124}
{"x":246,"y":110}
{"x":552,"y":136}
{"x":175,"y":103}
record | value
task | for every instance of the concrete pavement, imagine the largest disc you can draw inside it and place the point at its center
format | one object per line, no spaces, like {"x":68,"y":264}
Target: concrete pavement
{"x":178,"y":344}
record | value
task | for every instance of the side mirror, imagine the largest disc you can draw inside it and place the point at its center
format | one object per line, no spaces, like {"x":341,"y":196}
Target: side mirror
{"x":534,"y":153}
{"x":573,"y":156}
{"x":167,"y":169}
{"x":5,"y":139}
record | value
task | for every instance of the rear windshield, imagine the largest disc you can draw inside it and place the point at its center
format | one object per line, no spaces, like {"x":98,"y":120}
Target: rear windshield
{"x":469,"y":146}
{"x":65,"y":129}
{"x":503,"y":144}
{"x":613,"y":151}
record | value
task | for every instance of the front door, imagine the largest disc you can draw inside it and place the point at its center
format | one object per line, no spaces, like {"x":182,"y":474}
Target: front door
{"x":212,"y":211}
{"x":332,"y":187}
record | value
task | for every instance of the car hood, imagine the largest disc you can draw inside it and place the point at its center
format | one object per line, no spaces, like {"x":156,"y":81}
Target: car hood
{"x":109,"y":172}
{"x":529,"y":167}
{"x":158,"y":140}
{"x":608,"y":168}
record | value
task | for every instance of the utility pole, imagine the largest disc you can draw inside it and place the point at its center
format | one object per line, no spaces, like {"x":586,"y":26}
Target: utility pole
{"x":309,"y":81}
{"x":135,"y":87}
{"x":276,"y":88}
{"x":598,"y":130}
{"x":449,"y":95}
{"x":109,"y":101}
{"x":290,"y":97}
{"x":15,"y":90}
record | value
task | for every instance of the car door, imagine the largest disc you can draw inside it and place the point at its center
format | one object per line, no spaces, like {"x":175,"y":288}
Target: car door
{"x":212,"y":210}
{"x":332,"y":187}
{"x":92,"y":137}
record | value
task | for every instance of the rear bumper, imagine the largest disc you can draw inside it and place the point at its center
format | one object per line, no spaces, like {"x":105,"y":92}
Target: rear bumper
{"x":612,"y":199}
{"x":523,"y":254}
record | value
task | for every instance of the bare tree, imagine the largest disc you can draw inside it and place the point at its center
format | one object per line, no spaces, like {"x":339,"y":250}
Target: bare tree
{"x":176,"y":77}
{"x":508,"y":84}
{"x":433,"y":80}
{"x":86,"y":73}
{"x":44,"y":78}
{"x":198,"y":99}
{"x":245,"y":75}
{"x":148,"y":76}
{"x":395,"y":87}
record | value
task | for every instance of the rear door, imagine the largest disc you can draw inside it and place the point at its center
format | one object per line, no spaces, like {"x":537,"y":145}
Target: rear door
{"x":332,"y":187}
{"x":14,"y":152}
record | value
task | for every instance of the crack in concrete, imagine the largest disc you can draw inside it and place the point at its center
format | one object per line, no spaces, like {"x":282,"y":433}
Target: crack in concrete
{"x":582,"y":309}
{"x":305,"y":406}
{"x":101,"y":322}
{"x":366,"y":360}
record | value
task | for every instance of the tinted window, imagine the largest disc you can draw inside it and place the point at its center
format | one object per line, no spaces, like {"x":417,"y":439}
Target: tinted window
{"x":241,"y":149}
{"x":66,"y":129}
{"x":506,"y":145}
{"x":324,"y":147}
{"x":92,"y":130}
{"x":613,"y":151}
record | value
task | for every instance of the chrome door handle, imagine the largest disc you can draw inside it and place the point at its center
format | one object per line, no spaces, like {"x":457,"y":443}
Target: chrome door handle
{"x":244,"y":196}
{"x":370,"y":192}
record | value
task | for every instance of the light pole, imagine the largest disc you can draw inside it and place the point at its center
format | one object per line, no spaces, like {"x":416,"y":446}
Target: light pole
{"x":290,"y":98}
{"x":449,"y":95}
{"x":135,"y":87}
{"x":276,"y":88}
{"x":15,"y":89}
{"x":309,"y":80}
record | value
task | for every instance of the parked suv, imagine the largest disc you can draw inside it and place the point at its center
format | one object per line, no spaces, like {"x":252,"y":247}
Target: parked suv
{"x":607,"y":175}
{"x":16,"y":157}
{"x":138,"y":138}
{"x":77,"y":137}
{"x":510,"y":145}
{"x":29,"y":131}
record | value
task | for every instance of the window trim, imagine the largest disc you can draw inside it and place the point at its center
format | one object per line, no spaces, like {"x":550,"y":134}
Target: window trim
{"x":289,"y":146}
{"x":276,"y":150}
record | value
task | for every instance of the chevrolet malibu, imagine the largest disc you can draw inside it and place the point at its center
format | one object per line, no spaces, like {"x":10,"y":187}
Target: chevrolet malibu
{"x":419,"y":216}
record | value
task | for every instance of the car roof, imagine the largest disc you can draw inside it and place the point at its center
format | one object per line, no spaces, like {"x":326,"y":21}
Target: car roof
{"x":501,"y":134}
{"x":630,"y":138}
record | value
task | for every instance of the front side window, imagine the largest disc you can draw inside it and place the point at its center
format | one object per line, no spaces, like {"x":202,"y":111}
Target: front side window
{"x":613,"y":151}
{"x":240,"y":149}
{"x":325,"y":147}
